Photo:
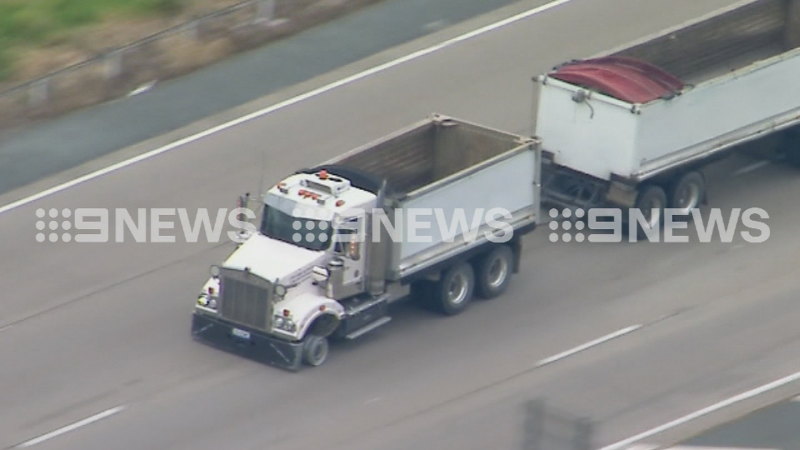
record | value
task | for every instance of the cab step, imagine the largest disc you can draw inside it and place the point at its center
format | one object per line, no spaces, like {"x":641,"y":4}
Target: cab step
{"x":368,"y":327}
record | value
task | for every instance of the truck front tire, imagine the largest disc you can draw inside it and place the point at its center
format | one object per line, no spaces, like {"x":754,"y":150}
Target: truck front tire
{"x":315,"y":350}
{"x":454,"y":290}
{"x":494,"y":272}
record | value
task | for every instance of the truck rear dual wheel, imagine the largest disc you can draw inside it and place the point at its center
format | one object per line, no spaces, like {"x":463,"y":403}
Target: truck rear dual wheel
{"x":651,"y":201}
{"x":687,"y":193}
{"x":454,"y":291}
{"x":493,"y":272}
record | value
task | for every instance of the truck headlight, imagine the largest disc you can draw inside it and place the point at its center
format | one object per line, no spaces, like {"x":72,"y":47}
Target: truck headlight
{"x":284,"y":323}
{"x":208,"y":301}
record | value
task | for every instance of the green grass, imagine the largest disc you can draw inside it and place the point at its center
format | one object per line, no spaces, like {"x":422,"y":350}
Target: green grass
{"x":5,"y":62}
{"x":37,"y":22}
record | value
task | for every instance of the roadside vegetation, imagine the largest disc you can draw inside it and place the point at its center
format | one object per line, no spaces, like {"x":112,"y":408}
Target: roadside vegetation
{"x":40,"y":35}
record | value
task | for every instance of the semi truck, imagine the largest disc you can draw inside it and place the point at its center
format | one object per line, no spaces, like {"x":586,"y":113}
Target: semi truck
{"x":338,"y":243}
{"x":631,"y":128}
{"x":634,"y":127}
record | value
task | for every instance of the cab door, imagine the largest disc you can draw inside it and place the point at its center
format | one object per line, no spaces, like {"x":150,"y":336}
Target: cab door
{"x":349,"y":245}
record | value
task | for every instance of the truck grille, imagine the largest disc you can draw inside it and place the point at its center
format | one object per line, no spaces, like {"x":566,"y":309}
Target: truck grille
{"x":245,"y":303}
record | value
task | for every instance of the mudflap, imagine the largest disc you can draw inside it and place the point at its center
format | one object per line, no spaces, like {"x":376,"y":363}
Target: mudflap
{"x":247,"y":342}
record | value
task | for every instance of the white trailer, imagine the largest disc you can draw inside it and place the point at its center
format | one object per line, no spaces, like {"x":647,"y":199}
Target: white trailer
{"x":634,"y":127}
{"x":420,"y":209}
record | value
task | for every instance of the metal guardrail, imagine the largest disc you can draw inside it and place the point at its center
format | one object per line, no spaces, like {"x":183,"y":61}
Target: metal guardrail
{"x":166,"y":54}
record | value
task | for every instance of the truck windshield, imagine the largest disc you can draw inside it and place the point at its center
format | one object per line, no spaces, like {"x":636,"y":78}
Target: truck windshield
{"x":308,"y":233}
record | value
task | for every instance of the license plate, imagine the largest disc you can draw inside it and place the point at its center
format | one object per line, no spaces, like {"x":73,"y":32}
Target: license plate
{"x":241,"y":333}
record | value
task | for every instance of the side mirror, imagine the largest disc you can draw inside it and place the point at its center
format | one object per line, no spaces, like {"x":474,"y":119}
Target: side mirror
{"x":243,"y":200}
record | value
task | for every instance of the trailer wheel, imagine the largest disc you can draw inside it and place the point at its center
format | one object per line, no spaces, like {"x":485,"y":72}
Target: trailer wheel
{"x":454,"y":290}
{"x":494,"y":272}
{"x":687,"y":193}
{"x":315,"y":350}
{"x":651,"y":201}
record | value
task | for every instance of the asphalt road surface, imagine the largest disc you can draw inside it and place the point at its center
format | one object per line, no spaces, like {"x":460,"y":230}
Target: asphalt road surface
{"x":94,"y":339}
{"x":767,"y":429}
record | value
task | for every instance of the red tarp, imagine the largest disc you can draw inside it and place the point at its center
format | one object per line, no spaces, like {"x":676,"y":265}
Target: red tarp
{"x":627,"y":79}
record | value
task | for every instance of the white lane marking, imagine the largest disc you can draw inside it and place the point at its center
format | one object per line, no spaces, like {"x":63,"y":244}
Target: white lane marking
{"x":72,"y":427}
{"x":686,"y":447}
{"x":435,"y":25}
{"x":280,"y":105}
{"x":142,"y":89}
{"x":625,"y":443}
{"x":751,"y":168}
{"x":588,"y":345}
{"x":372,"y":400}
{"x":7,"y":327}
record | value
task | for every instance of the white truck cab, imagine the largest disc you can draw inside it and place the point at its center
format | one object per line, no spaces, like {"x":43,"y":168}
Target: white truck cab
{"x":318,"y":267}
